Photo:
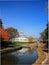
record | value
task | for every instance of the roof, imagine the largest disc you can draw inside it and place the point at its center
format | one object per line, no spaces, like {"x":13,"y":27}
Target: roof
{"x":22,"y":35}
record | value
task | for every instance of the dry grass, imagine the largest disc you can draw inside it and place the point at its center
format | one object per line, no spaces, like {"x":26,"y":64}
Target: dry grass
{"x":41,"y":55}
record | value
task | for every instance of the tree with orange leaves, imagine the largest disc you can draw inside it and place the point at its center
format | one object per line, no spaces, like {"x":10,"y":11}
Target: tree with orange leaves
{"x":4,"y":36}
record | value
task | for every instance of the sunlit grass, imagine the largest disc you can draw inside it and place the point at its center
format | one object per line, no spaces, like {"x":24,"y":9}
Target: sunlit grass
{"x":41,"y":56}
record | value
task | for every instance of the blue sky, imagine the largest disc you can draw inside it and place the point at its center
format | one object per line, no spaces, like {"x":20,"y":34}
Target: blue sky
{"x":28,"y":17}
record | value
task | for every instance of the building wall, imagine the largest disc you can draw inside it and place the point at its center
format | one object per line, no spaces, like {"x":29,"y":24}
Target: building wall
{"x":21,"y":38}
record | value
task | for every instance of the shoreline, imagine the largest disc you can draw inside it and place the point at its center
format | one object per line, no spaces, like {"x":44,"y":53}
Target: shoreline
{"x":9,"y":50}
{"x":42,"y":56}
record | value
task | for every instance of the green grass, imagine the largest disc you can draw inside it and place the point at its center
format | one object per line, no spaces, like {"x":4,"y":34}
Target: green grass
{"x":22,"y":42}
{"x":15,"y":44}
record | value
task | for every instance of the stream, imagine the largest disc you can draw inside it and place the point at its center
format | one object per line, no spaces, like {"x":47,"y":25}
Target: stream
{"x":24,"y":56}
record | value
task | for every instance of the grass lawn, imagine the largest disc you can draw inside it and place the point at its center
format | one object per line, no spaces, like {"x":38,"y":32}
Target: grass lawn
{"x":17,"y":43}
{"x":23,"y":44}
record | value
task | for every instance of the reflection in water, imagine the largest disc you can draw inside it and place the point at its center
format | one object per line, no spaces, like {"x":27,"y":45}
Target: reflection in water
{"x":22,"y":51}
{"x":9,"y":59}
{"x":30,"y":50}
{"x":20,"y":58}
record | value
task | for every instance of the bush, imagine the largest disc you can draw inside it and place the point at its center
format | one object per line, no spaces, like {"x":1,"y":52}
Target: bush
{"x":5,"y":44}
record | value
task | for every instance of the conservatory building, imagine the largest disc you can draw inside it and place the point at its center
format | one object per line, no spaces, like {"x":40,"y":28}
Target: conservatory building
{"x":21,"y":38}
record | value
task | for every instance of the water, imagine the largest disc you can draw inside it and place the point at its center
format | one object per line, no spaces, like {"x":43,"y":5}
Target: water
{"x":25,"y":56}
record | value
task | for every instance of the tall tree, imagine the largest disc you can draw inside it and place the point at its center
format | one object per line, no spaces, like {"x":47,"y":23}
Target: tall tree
{"x":44,"y":35}
{"x":13,"y":32}
{"x":1,"y":26}
{"x":4,"y":38}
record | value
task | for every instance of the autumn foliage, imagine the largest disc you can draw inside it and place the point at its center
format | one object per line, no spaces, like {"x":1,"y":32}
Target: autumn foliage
{"x":30,"y":39}
{"x":4,"y":36}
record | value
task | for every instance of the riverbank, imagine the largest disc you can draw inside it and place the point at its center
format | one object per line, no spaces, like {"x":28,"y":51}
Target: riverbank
{"x":42,"y":56}
{"x":10,"y":49}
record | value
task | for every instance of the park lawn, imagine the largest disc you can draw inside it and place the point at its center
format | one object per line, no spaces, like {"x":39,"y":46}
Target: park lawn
{"x":18,"y":43}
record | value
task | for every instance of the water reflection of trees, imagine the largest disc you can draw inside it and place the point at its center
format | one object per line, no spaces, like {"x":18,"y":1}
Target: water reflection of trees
{"x":30,"y":50}
{"x":9,"y":60}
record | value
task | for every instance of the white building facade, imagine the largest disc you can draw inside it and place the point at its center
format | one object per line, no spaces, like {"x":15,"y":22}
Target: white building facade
{"x":21,"y":38}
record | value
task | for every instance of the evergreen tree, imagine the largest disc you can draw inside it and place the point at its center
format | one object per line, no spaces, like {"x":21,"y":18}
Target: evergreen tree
{"x":1,"y":26}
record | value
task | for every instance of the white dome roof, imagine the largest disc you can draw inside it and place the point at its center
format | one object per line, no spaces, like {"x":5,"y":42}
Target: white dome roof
{"x":22,"y":35}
